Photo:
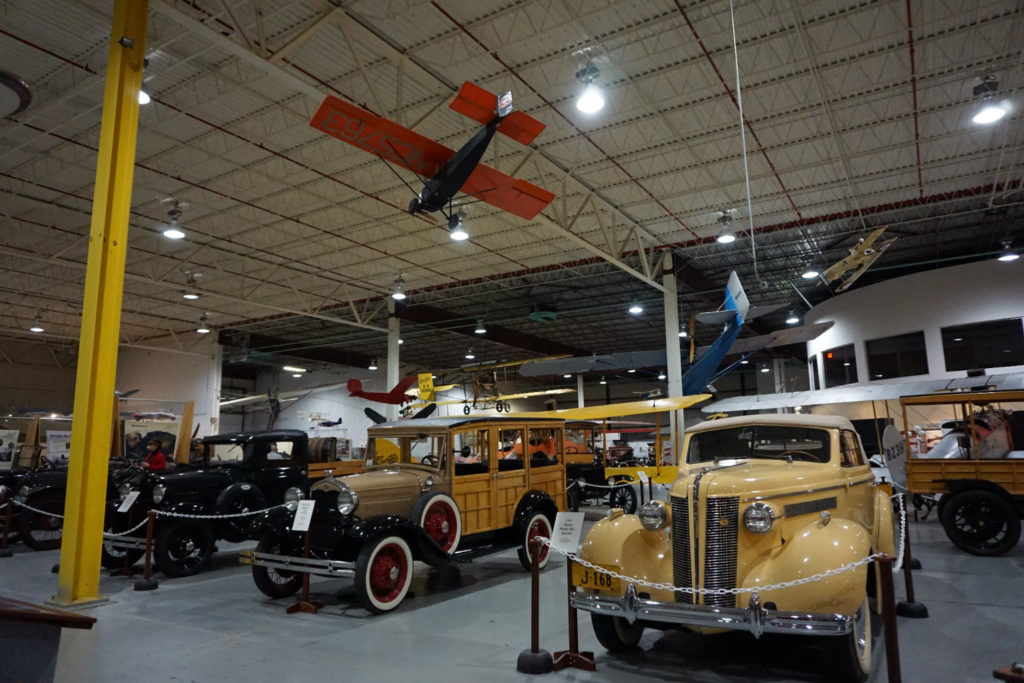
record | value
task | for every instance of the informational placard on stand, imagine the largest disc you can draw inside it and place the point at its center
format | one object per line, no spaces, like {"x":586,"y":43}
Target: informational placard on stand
{"x":643,"y":477}
{"x":566,"y":534}
{"x":303,"y":515}
{"x":128,"y":501}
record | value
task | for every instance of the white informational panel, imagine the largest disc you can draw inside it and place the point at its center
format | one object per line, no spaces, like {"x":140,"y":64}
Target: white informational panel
{"x":8,"y":443}
{"x":303,"y":515}
{"x":566,"y":534}
{"x":58,"y":446}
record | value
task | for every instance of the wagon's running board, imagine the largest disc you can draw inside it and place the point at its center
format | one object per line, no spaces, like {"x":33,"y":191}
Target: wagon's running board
{"x":306,"y":565}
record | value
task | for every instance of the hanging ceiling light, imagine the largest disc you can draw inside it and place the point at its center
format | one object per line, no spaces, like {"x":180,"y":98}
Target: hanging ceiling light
{"x":635,"y":308}
{"x":203,"y":327}
{"x":1008,"y":254}
{"x":991,"y":109}
{"x":190,"y":282}
{"x":793,"y":319}
{"x":293,"y":368}
{"x":604,"y":381}
{"x":399,"y":293}
{"x":663,"y":376}
{"x":297,"y":374}
{"x":631,"y":371}
{"x":809,"y":274}
{"x":143,"y":97}
{"x":372,"y":365}
{"x":725,"y":233}
{"x":567,"y":376}
{"x":172,"y":230}
{"x":684,"y":334}
{"x":37,"y":326}
{"x":456,"y":229}
{"x":469,"y":354}
{"x":480,"y":328}
{"x":590,"y":100}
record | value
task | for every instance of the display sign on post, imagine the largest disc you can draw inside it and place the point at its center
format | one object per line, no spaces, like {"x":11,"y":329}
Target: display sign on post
{"x":303,"y":515}
{"x":643,"y":476}
{"x":565,"y":537}
{"x":128,"y":501}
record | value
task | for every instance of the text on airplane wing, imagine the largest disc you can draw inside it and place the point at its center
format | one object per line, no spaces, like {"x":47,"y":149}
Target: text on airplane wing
{"x":381,"y":137}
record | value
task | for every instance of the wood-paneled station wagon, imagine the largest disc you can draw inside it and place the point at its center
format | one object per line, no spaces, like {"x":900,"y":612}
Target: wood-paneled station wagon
{"x":760,"y":502}
{"x":435,"y":490}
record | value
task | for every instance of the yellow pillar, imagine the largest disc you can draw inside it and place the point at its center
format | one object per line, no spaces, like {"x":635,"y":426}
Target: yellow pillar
{"x":101,"y":309}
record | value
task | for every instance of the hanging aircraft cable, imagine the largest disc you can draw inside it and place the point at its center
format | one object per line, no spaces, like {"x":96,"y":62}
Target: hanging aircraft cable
{"x":743,"y":139}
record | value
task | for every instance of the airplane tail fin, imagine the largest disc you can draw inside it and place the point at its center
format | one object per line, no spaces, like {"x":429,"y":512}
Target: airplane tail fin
{"x":375,"y":416}
{"x":736,"y":304}
{"x":482,"y":106}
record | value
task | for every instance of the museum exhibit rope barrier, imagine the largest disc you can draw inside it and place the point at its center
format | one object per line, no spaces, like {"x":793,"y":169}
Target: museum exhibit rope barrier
{"x":573,"y":657}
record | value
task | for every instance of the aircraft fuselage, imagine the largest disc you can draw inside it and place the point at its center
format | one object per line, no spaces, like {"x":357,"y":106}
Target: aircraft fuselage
{"x":440,"y":189}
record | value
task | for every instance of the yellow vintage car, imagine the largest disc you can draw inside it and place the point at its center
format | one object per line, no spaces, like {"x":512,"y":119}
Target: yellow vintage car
{"x":760,"y":500}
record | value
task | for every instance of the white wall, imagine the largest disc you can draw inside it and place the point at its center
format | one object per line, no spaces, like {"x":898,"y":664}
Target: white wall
{"x":928,"y":301}
{"x":36,"y":378}
{"x":175,"y":377}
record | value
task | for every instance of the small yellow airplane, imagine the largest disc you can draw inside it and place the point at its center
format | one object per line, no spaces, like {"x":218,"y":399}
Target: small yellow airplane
{"x":485,"y":389}
{"x":848,"y":269}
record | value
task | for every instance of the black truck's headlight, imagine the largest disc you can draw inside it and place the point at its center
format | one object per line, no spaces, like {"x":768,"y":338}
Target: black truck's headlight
{"x":124,"y":490}
{"x":759,"y":518}
{"x":159,"y":491}
{"x":292,"y":497}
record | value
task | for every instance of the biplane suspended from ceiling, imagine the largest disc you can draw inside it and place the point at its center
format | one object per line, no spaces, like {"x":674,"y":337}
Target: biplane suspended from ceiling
{"x":442,"y":171}
{"x":851,"y":267}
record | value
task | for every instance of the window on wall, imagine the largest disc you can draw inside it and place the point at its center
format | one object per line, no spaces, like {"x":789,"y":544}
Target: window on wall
{"x":840,"y":366}
{"x":899,"y":356}
{"x":991,"y":344}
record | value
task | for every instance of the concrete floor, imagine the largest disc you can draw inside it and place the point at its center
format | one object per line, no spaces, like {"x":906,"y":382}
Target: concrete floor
{"x":469,"y":623}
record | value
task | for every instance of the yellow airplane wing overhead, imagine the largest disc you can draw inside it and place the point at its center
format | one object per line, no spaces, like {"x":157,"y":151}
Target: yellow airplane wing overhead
{"x":529,"y":394}
{"x":603,"y":412}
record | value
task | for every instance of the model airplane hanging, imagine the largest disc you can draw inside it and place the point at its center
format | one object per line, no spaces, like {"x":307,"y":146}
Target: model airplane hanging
{"x":396,"y":396}
{"x":848,"y":269}
{"x":445,"y":172}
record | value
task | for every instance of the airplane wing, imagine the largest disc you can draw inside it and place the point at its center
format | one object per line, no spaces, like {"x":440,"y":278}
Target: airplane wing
{"x":864,"y":265}
{"x":510,"y":194}
{"x":860,"y":392}
{"x":529,"y":394}
{"x":481,"y":105}
{"x":609,"y":362}
{"x":790,"y":335}
{"x":603,"y":412}
{"x":380,"y":137}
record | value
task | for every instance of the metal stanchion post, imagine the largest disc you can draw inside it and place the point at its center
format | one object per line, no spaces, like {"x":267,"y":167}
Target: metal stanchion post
{"x":146,"y":583}
{"x":641,"y":495}
{"x":304,"y":604}
{"x":892,"y":645}
{"x":909,"y":607}
{"x":573,"y":657}
{"x":535,"y":660}
{"x":8,"y":518}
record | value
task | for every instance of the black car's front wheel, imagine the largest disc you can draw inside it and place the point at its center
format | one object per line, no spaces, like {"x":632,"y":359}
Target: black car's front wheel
{"x":183,"y":547}
{"x":113,"y":556}
{"x":383,"y":574}
{"x":980,"y":522}
{"x":42,"y":530}
{"x":274,"y":583}
{"x":615,"y":633}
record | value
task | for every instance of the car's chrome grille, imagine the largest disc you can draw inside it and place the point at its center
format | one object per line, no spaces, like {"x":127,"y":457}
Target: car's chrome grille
{"x":681,"y":574}
{"x":720,"y":538}
{"x":718,"y":551}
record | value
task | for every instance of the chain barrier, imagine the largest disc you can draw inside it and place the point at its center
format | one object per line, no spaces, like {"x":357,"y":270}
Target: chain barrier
{"x":42,"y":512}
{"x":162,"y":513}
{"x":903,"y":531}
{"x":739,"y":590}
{"x":112,"y":534}
{"x":588,"y":485}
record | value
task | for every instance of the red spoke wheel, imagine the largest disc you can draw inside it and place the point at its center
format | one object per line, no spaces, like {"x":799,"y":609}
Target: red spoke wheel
{"x":538,"y":526}
{"x":383,"y":574}
{"x":438,"y":515}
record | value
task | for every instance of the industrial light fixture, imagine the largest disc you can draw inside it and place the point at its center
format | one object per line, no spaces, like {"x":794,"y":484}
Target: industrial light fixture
{"x":172,"y":230}
{"x":190,"y":295}
{"x":744,"y":362}
{"x":143,"y":97}
{"x":684,"y":334}
{"x":373,"y":364}
{"x":765,"y":369}
{"x":37,"y":326}
{"x":401,"y":341}
{"x":590,"y":100}
{"x":991,"y":110}
{"x":203,"y":327}
{"x":469,"y":354}
{"x":793,"y":319}
{"x":725,"y":233}
{"x":296,"y":374}
{"x":567,"y":376}
{"x":1008,"y":254}
{"x":190,"y":282}
{"x":456,"y":229}
{"x":480,"y":328}
{"x":399,"y":293}
{"x":604,"y":381}
{"x":635,"y":308}
{"x":631,"y":371}
{"x":809,"y":274}
{"x":663,"y":376}
{"x":293,"y":368}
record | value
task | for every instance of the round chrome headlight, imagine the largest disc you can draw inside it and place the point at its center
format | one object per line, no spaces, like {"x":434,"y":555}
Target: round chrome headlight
{"x":159,"y":491}
{"x":759,"y":518}
{"x":123,"y":490}
{"x":348,"y":501}
{"x":22,"y":493}
{"x":653,"y":515}
{"x":292,"y":497}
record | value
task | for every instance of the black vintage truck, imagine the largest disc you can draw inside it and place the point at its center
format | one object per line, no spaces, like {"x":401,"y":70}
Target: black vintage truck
{"x":231,"y":474}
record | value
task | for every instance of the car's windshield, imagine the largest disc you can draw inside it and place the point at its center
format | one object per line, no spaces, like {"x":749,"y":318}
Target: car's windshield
{"x":225,"y":452}
{"x":760,"y":441}
{"x":419,"y":449}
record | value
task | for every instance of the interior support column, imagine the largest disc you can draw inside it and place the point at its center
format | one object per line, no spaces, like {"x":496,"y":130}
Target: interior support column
{"x":394,"y":334}
{"x":101,"y":308}
{"x":674,"y":371}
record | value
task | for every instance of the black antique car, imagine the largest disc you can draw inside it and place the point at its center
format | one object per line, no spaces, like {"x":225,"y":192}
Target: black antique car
{"x":234,"y":473}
